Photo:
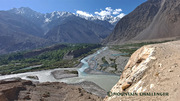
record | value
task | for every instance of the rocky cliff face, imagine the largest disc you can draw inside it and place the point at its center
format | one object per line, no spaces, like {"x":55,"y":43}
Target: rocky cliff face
{"x":153,"y":69}
{"x":154,"y":19}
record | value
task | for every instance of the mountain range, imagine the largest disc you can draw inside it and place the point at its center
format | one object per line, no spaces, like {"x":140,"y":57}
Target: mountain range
{"x":23,"y":28}
{"x":152,"y":20}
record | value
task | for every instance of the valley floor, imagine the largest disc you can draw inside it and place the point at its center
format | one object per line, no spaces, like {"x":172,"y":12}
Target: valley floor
{"x":95,"y":81}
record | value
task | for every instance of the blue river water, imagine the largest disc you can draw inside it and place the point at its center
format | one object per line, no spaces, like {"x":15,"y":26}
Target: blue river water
{"x":85,"y":63}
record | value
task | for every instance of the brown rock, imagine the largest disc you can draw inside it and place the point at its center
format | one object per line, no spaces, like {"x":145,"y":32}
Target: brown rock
{"x":20,"y":90}
{"x":126,"y":85}
{"x":2,"y":97}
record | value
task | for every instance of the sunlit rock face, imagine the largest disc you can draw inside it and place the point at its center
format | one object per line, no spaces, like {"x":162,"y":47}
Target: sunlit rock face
{"x":152,"y":69}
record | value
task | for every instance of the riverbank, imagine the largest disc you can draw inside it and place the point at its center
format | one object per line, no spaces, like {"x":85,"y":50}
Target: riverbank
{"x":57,"y":75}
{"x":111,"y":61}
{"x":108,"y":62}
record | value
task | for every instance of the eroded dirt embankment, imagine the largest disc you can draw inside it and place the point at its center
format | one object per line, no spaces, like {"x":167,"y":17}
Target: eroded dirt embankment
{"x":152,"y":68}
{"x":15,"y":89}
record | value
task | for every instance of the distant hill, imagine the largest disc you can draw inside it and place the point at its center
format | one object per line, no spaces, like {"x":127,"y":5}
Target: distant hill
{"x":154,"y":19}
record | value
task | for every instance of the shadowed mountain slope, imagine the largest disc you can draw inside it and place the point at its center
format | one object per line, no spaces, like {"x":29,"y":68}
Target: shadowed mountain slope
{"x":154,"y":19}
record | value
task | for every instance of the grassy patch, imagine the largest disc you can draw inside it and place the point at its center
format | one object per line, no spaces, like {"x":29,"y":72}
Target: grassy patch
{"x":131,"y":48}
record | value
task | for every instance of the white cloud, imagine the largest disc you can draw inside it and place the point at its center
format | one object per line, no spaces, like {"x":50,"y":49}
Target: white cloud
{"x":84,"y":13}
{"x":109,"y":14}
{"x":106,"y":12}
{"x":121,"y":15}
{"x":103,"y":13}
{"x":109,"y":9}
{"x":117,"y":11}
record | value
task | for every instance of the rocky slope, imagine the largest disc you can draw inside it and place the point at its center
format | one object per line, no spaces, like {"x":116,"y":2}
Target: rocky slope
{"x":152,"y":70}
{"x":76,"y":30}
{"x":154,"y":19}
{"x":21,"y":90}
{"x":17,"y":33}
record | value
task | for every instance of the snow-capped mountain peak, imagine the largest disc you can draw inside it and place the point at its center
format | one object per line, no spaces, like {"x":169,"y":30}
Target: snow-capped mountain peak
{"x":55,"y":15}
{"x":111,"y":19}
{"x":26,"y":11}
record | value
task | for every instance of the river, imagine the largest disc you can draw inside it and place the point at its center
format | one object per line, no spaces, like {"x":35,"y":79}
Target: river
{"x":104,"y":81}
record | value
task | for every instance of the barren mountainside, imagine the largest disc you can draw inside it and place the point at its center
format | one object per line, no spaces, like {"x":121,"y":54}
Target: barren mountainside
{"x":77,"y":30}
{"x":16,"y":35}
{"x":154,"y":19}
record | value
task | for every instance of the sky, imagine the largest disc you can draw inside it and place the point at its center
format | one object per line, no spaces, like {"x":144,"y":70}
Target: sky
{"x":86,"y":7}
